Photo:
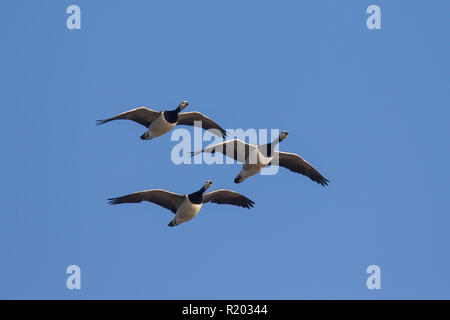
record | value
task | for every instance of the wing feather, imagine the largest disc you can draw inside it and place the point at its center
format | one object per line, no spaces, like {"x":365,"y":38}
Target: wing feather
{"x":235,"y":149}
{"x":297,"y":164}
{"x":165,"y":199}
{"x":188,"y":118}
{"x":142,"y":115}
{"x":224,"y":196}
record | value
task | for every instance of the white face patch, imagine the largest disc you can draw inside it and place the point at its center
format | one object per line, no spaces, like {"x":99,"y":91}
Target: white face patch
{"x":207,"y":184}
{"x":183,"y":104}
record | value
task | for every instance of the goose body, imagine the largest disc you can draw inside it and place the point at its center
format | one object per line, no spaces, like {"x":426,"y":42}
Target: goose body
{"x":247,"y":171}
{"x":254,"y":158}
{"x":158,"y":127}
{"x":187,"y":211}
{"x":185,"y":207}
{"x":253,"y":163}
{"x":161,"y":122}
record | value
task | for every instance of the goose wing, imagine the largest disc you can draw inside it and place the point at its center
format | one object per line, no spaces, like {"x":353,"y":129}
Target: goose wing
{"x":165,"y":199}
{"x":140,"y":115}
{"x":224,"y":196}
{"x":297,"y":164}
{"x":188,"y":118}
{"x":236,"y":149}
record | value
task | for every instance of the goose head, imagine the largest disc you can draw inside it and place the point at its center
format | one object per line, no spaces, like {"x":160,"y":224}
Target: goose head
{"x":283,"y":135}
{"x":280,"y":138}
{"x":207,"y":184}
{"x":183,"y":105}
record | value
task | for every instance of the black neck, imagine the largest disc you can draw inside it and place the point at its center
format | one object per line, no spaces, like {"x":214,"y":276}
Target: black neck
{"x":172,"y":116}
{"x":197,"y":197}
{"x":267,"y":150}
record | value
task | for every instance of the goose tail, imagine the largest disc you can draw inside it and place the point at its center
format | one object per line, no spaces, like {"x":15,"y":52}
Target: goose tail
{"x":146,"y":136}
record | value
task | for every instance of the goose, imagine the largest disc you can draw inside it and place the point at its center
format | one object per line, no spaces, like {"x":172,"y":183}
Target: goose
{"x":161,"y":122}
{"x":254,"y":158}
{"x":185,"y":207}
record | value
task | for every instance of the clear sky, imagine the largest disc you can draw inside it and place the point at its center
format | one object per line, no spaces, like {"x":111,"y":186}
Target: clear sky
{"x":368,"y":108}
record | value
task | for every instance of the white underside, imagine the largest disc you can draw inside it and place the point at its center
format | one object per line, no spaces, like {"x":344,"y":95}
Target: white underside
{"x":249,"y":170}
{"x":159,"y":126}
{"x":187,"y":211}
{"x":252,"y":168}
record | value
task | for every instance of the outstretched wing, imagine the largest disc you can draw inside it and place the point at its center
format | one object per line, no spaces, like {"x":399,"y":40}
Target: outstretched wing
{"x":140,"y":115}
{"x":188,"y":118}
{"x":165,"y":199}
{"x":297,"y":164}
{"x":224,"y":196}
{"x":236,"y":149}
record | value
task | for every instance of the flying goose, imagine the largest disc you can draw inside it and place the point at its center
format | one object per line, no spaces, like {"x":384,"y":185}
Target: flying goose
{"x":254,"y":158}
{"x":185,"y":207}
{"x":161,"y":122}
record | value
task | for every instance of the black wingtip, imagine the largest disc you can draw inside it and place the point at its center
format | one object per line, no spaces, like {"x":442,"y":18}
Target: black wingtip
{"x":249,"y":204}
{"x":194,"y":153}
{"x":100,"y":122}
{"x":112,"y":201}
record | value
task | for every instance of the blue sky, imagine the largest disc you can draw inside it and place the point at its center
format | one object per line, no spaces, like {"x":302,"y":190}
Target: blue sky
{"x":368,"y":108}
